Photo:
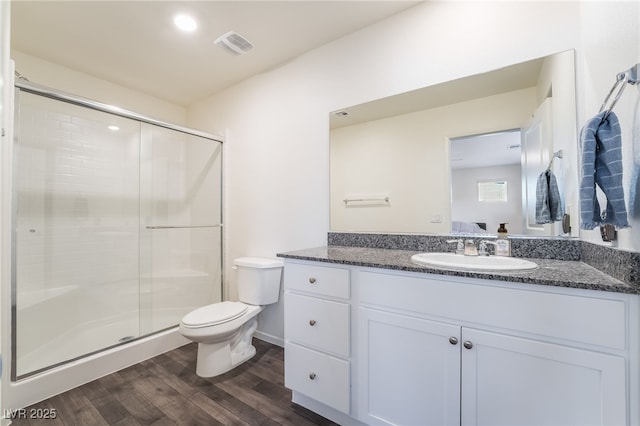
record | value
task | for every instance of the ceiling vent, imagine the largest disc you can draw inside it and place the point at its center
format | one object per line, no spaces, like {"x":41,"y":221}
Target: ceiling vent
{"x":234,"y":43}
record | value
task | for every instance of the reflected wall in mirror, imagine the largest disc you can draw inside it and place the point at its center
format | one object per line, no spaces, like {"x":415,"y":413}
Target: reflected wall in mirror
{"x":390,"y":159}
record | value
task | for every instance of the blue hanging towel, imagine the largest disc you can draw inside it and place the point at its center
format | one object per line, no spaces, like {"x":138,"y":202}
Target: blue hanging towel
{"x":634,"y":193}
{"x":601,"y":142}
{"x":548,"y":202}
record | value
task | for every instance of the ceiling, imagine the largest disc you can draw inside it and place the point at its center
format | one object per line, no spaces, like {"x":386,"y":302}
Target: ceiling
{"x":487,"y":150}
{"x":135,"y":43}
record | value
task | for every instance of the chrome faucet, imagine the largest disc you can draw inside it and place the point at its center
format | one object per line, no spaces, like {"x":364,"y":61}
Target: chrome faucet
{"x":459,"y":245}
{"x":470,"y":248}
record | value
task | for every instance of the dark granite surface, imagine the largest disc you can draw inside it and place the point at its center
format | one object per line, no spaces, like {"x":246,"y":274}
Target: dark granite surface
{"x":560,"y":273}
{"x":619,"y":264}
{"x":541,"y":248}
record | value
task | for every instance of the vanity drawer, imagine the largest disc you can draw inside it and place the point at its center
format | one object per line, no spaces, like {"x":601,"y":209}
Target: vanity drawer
{"x":317,"y":323}
{"x":320,"y":280}
{"x":317,"y":375}
{"x":580,"y":318}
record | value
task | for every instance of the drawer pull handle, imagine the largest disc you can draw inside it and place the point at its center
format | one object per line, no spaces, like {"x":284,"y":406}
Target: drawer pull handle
{"x":468,"y":344}
{"x":312,"y":280}
{"x":453,"y":340}
{"x":312,"y":323}
{"x":312,"y":376}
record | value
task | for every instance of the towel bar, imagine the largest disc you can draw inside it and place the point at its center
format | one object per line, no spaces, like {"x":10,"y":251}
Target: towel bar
{"x":632,"y":74}
{"x":384,"y":200}
{"x":182,"y":226}
{"x":629,"y":76}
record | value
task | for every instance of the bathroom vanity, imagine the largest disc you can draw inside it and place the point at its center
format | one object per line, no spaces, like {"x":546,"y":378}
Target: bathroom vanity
{"x":385,"y":341}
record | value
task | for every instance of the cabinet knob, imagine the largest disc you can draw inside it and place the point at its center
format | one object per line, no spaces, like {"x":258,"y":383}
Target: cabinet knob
{"x":312,"y":376}
{"x":453,"y":340}
{"x":468,"y":344}
{"x":312,"y":280}
{"x":312,"y":323}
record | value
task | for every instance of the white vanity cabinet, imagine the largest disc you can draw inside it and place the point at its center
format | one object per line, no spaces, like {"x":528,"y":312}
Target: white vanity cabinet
{"x":317,"y":333}
{"x":441,"y":350}
{"x":448,"y":352}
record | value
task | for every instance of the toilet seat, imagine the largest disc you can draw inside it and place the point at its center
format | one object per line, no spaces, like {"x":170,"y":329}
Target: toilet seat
{"x":217,"y":313}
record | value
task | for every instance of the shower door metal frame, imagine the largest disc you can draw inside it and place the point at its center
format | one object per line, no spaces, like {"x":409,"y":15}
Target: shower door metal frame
{"x":36,"y":89}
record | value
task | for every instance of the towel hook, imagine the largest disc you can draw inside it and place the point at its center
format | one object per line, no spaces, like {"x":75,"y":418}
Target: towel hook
{"x":629,"y":76}
{"x":557,"y":154}
{"x":632,"y":74}
{"x":620,"y":84}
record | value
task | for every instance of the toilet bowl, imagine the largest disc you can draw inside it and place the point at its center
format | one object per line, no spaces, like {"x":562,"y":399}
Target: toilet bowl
{"x":224,"y":330}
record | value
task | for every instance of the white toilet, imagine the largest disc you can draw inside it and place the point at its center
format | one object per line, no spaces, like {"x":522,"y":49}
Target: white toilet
{"x":224,"y":330}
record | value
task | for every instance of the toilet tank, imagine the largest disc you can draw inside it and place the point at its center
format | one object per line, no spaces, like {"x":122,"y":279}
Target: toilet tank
{"x":258,"y":279}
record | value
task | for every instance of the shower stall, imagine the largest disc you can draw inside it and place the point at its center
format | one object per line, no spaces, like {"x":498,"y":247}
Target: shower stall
{"x":117,"y":228}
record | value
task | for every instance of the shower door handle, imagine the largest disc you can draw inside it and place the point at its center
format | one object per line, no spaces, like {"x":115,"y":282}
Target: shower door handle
{"x":182,"y":226}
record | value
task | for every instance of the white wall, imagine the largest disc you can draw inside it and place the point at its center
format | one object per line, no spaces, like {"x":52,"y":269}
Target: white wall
{"x":58,"y":77}
{"x":277,"y":124}
{"x":465,"y":202}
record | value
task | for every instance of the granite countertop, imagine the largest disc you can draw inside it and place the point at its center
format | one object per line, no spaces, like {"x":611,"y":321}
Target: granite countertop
{"x":559,"y":273}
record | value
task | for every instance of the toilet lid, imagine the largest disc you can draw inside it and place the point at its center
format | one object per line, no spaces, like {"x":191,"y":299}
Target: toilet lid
{"x":216,"y":313}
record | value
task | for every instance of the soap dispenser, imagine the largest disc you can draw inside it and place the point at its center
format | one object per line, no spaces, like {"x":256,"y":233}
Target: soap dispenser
{"x":503,"y":245}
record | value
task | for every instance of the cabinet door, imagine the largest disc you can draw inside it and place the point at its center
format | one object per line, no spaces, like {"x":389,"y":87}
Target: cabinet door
{"x":410,"y":372}
{"x":515,"y":381}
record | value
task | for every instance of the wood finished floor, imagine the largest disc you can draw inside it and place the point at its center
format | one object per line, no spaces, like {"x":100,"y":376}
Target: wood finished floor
{"x":165,"y":390}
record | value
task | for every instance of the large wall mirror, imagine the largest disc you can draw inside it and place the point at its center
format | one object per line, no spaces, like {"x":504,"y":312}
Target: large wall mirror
{"x":460,"y":156}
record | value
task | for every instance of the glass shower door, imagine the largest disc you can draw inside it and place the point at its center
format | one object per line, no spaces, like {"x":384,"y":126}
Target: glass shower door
{"x":76,"y":231}
{"x":181,"y":234}
{"x":116,"y":229}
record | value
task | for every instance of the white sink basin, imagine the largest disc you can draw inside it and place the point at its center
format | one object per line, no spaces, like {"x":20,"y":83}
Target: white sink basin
{"x":452,"y":260}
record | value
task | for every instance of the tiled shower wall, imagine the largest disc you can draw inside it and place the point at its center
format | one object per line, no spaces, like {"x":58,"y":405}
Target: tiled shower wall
{"x":86,"y":258}
{"x":77,"y":187}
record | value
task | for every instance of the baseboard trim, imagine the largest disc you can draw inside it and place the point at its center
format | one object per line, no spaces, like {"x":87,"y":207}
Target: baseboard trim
{"x":269,"y":338}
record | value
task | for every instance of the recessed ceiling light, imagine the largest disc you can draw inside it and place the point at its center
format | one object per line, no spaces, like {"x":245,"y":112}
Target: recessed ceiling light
{"x":113,"y":128}
{"x":185,"y":23}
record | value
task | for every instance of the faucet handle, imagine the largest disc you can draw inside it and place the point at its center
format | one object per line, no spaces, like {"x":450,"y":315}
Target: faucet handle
{"x":459,"y":245}
{"x":482,"y":247}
